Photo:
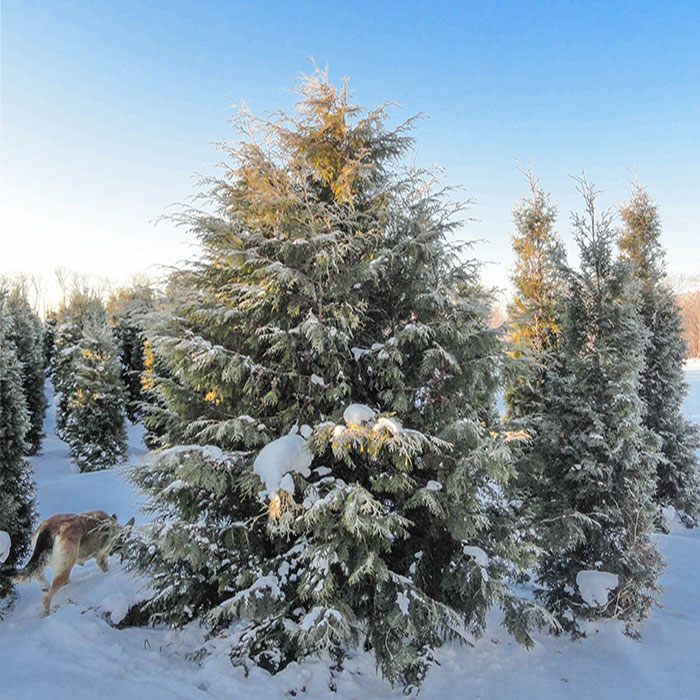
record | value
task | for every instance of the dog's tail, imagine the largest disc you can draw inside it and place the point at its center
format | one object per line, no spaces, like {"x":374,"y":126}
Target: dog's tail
{"x":38,"y":562}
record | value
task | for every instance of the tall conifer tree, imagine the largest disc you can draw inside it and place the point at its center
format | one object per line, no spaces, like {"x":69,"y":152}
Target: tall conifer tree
{"x":534,"y":335}
{"x":663,"y":386}
{"x":599,"y":459}
{"x":326,"y":278}
{"x":27,"y":335}
{"x":17,"y":487}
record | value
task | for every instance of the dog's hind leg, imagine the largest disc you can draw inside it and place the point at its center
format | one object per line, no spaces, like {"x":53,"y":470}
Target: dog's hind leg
{"x":65,"y":554}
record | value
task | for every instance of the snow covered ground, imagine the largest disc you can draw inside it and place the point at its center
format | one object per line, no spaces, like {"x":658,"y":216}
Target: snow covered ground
{"x":76,"y":653}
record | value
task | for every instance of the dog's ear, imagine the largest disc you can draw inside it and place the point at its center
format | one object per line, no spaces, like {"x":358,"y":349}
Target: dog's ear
{"x":130,"y":523}
{"x":114,"y":516}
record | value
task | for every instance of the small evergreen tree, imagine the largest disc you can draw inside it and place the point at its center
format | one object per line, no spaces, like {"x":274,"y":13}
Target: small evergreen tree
{"x":326,"y":278}
{"x":87,"y":375}
{"x":79,"y":306}
{"x":94,"y":429}
{"x":49,"y":340}
{"x":16,"y":482}
{"x":127,"y":309}
{"x":26,"y":334}
{"x":599,"y":460}
{"x":663,"y":386}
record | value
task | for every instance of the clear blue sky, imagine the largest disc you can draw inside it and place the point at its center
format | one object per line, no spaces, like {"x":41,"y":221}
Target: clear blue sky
{"x":110,"y":108}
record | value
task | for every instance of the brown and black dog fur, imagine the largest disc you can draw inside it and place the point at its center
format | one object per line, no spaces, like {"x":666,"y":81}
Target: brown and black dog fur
{"x":67,"y":539}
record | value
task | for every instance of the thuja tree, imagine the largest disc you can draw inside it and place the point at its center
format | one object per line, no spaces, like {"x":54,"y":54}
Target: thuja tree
{"x":95,"y":425}
{"x":127,"y":310}
{"x":663,"y":387}
{"x":90,"y":404}
{"x":599,"y":476}
{"x":326,"y":278}
{"x":17,"y":487}
{"x":534,"y":334}
{"x":25,"y":329}
{"x":69,"y":320}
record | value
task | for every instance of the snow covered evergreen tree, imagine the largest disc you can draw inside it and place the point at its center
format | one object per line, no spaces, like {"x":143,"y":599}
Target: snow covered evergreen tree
{"x":87,"y":376}
{"x":326,"y":279}
{"x":17,"y":487}
{"x":663,"y":386}
{"x":599,"y":459}
{"x":27,"y":336}
{"x":534,"y":335}
{"x":71,"y":317}
{"x":49,"y":339}
{"x":127,"y":309}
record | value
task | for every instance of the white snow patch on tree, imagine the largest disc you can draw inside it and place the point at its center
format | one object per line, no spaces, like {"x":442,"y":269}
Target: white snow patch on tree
{"x":393,"y":426}
{"x":315,"y":379}
{"x":402,"y":602}
{"x":433,"y":486}
{"x":5,"y":546}
{"x":595,"y":586}
{"x":478,"y":554}
{"x":281,"y":456}
{"x":357,"y":414}
{"x":311,"y":618}
{"x":357,"y":353}
{"x":669,"y":513}
{"x":287,"y":484}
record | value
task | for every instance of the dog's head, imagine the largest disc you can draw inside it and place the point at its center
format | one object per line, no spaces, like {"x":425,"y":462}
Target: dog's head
{"x":121,"y":533}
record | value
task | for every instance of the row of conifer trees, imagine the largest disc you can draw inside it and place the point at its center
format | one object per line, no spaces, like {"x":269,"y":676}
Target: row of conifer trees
{"x":332,"y":316}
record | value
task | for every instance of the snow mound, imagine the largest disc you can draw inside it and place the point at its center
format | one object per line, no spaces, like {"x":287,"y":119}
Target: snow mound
{"x":5,"y":544}
{"x":118,"y":606}
{"x":282,"y":456}
{"x":357,"y":414}
{"x":595,"y":586}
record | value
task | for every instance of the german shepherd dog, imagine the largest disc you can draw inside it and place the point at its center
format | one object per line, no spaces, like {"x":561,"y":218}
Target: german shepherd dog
{"x":63,"y":540}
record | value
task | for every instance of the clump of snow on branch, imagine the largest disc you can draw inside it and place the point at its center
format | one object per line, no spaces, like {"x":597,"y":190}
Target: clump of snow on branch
{"x":281,"y":457}
{"x":5,"y":545}
{"x":477,"y":554}
{"x":390,"y":424}
{"x":315,"y":379}
{"x":357,"y":414}
{"x":595,"y":586}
